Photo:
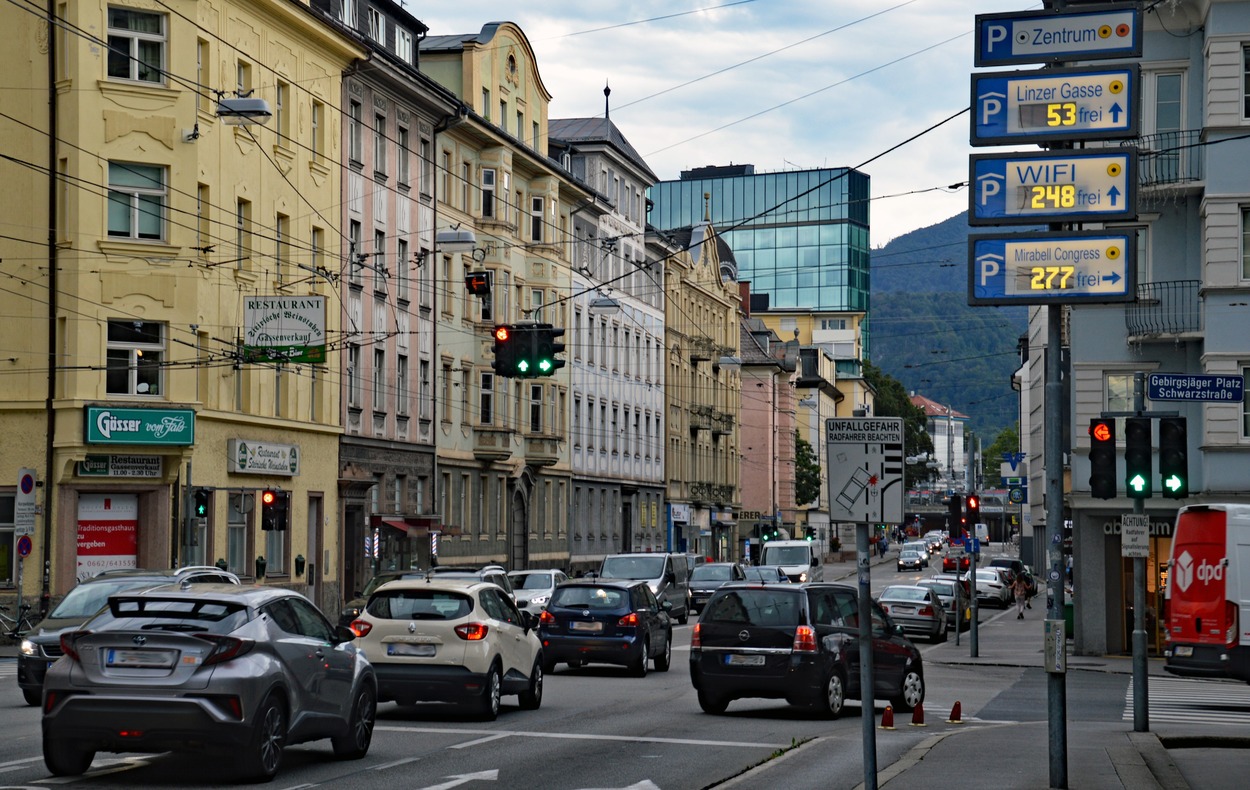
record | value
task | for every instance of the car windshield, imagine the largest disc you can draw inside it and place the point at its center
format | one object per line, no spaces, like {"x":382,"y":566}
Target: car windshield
{"x":531,"y":581}
{"x":755,"y":607}
{"x":590,"y":597}
{"x":942,"y":588}
{"x":712,"y":573}
{"x":420,"y":604}
{"x":787,"y":555}
{"x":904,"y":594}
{"x":87,"y":599}
{"x":633,"y":568}
{"x":382,"y":578}
{"x":908,"y":555}
{"x":762,"y":575}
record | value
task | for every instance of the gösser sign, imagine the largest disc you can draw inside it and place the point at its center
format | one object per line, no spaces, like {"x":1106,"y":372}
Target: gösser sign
{"x":1055,"y":104}
{"x":1093,"y":33}
{"x":139,"y":426}
{"x":1031,"y":188}
{"x":1063,"y":267}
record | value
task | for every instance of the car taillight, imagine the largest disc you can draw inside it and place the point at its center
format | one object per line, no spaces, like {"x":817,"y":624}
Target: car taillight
{"x":225,"y":648}
{"x":630,"y":620}
{"x":361,"y":627}
{"x":472,"y":632}
{"x":804,"y":639}
{"x":696,"y":638}
{"x":926,"y":611}
{"x":1231,"y":617}
{"x":546,"y":618}
{"x":68,"y":641}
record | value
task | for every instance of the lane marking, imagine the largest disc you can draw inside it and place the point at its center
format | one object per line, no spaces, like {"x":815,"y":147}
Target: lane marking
{"x":478,"y":741}
{"x":584,"y":737}
{"x":395,"y":763}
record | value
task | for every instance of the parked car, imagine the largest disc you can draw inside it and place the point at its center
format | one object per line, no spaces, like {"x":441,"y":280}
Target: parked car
{"x":954,"y":600}
{"x":607,"y":622}
{"x":912,"y":560}
{"x":41,"y":647}
{"x":351,"y":609}
{"x":668,"y":575}
{"x":495,"y":574}
{"x":1014,"y":566}
{"x":766,"y":573}
{"x":706,"y":578}
{"x":800,"y":643}
{"x":447,"y":639}
{"x":917,"y":609}
{"x":533,"y":589}
{"x":243,"y":670}
{"x":965,"y":585}
{"x":993,"y":587}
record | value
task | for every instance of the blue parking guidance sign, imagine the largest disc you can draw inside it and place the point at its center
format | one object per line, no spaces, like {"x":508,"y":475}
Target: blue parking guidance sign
{"x":1038,"y":187}
{"x":1093,"y":33}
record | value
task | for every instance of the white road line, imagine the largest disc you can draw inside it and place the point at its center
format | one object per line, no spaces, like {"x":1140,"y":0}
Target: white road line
{"x":478,"y":741}
{"x":585,"y":737}
{"x":394,"y":763}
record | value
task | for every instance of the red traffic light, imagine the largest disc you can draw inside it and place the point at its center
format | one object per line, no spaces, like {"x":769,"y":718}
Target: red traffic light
{"x":502,"y":333}
{"x":972,"y":503}
{"x":268,"y":497}
{"x":1101,"y":431}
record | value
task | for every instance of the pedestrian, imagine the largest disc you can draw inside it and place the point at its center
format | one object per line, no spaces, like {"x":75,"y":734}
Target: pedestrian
{"x":1020,"y":588}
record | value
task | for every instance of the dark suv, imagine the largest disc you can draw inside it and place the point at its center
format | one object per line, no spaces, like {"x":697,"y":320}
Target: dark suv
{"x":606,"y":621}
{"x":800,"y":643}
{"x":42,"y":646}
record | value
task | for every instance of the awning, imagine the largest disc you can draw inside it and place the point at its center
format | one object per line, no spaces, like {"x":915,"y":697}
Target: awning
{"x":413,"y":526}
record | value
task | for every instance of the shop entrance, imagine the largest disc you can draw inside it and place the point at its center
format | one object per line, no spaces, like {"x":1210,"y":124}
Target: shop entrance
{"x":1156,"y":585}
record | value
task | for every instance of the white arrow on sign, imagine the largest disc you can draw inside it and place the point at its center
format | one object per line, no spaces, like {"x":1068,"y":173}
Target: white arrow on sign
{"x":460,"y":779}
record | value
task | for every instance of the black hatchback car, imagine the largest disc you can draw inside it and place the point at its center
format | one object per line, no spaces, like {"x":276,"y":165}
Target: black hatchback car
{"x":606,"y":622}
{"x":800,"y":643}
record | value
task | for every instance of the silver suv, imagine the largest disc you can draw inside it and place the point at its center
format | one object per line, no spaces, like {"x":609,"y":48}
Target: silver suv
{"x":495,"y":574}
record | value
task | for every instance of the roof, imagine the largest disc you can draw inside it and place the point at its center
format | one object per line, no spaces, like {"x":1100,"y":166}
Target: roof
{"x":932,"y":408}
{"x":596,"y":130}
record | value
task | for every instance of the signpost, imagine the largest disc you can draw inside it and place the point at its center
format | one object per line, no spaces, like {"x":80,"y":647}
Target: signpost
{"x":1186,"y":387}
{"x":1032,"y":188}
{"x":1134,"y":535}
{"x":1093,"y":33}
{"x":24,"y":503}
{"x":1065,"y":267}
{"x":1018,"y":107}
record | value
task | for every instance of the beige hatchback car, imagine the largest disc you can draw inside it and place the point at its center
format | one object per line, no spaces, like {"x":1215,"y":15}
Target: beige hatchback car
{"x":451,"y":640}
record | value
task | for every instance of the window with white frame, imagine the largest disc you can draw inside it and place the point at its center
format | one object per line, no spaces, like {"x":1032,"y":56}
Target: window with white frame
{"x":401,"y":269}
{"x":317,"y":245}
{"x":1245,"y":242}
{"x":487,"y":301}
{"x":355,"y":143}
{"x":401,"y":385}
{"x":404,"y":170}
{"x":317,"y":128}
{"x":379,"y":143}
{"x":237,"y":514}
{"x":379,"y":379}
{"x":537,"y":299}
{"x":1245,"y":82}
{"x":136,"y":45}
{"x":137,"y":198}
{"x":8,"y":518}
{"x":275,"y":547}
{"x":488,"y":192}
{"x":135,"y":356}
{"x":349,"y":12}
{"x":536,"y":219}
{"x":282,"y":113}
{"x":377,"y":25}
{"x":353,"y":375}
{"x":242,"y":231}
{"x":486,"y":399}
{"x":353,"y":264}
{"x":536,"y":408}
{"x":403,"y":45}
{"x":423,"y":370}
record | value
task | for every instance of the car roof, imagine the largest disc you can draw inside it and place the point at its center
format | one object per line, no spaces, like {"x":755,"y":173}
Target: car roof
{"x":157,"y":574}
{"x":603,"y":583}
{"x":254,"y":595}
{"x":442,"y":582}
{"x":903,"y":587}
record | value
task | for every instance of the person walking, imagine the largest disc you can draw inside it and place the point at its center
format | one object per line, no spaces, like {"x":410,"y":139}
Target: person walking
{"x":1020,"y":589}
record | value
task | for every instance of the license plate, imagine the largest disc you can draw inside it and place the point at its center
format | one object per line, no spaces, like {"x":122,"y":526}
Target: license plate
{"x":1183,"y":651}
{"x":902,"y":609}
{"x":579,"y":625}
{"x":408,"y":649}
{"x":736,"y":660}
{"x":143,"y":659}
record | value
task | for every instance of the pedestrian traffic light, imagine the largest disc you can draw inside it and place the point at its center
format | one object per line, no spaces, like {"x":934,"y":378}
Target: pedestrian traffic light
{"x":1138,"y":463}
{"x":545,"y":349}
{"x":1102,"y":479}
{"x":273,"y":510}
{"x":972,"y":509}
{"x":956,"y":507}
{"x":1174,"y":457}
{"x":199,"y":503}
{"x":506,"y":348}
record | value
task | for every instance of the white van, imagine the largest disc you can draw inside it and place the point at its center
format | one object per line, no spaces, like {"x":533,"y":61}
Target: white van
{"x":1208,"y":593}
{"x":668,"y":576}
{"x":796,"y":557}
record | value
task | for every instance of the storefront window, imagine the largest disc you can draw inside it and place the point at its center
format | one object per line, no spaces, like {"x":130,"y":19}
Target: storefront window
{"x":236,"y":535}
{"x":7,"y":503}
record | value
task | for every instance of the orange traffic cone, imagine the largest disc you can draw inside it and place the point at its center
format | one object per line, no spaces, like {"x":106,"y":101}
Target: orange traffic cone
{"x":956,"y":716}
{"x":917,"y":715}
{"x":887,"y":718}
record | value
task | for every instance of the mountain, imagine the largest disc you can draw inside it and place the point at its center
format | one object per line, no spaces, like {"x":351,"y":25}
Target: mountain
{"x":923,"y":332}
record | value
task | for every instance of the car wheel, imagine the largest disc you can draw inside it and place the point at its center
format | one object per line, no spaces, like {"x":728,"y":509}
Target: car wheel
{"x":712,"y":703}
{"x":32,"y":696}
{"x":66,"y":758}
{"x":639,"y":666}
{"x":488,"y":705}
{"x":911,"y":691}
{"x":354,"y":744}
{"x":834,"y":698}
{"x":665,"y":659}
{"x":532,"y":697}
{"x":263,"y":755}
{"x":685,"y":615}
{"x":549,"y":665}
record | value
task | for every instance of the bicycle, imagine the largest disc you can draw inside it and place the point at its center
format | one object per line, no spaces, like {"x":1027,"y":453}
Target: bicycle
{"x":16,"y":628}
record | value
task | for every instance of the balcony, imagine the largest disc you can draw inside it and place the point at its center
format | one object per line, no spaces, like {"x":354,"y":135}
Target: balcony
{"x":1164,"y":310}
{"x":701,"y":348}
{"x":722,"y":423}
{"x":700,"y":418}
{"x":542,"y":450}
{"x":492,"y":444}
{"x":1168,"y":158}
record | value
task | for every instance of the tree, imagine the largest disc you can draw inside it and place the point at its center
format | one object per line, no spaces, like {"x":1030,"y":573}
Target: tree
{"x":1007,"y":441}
{"x":806,"y":471}
{"x":892,"y":400}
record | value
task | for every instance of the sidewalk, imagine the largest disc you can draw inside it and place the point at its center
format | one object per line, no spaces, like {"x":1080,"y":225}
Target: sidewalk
{"x":1101,"y":755}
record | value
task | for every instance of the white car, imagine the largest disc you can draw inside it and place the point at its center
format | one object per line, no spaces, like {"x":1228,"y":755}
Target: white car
{"x":532,"y":589}
{"x":992,"y":588}
{"x":451,"y":640}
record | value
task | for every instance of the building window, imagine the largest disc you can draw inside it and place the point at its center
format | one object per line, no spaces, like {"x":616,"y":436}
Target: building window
{"x":355,"y":145}
{"x":1119,"y":397}
{"x":488,"y":192}
{"x":503,"y":115}
{"x":465,"y":183}
{"x":379,"y":380}
{"x":520,"y":125}
{"x":243,"y":78}
{"x":349,"y":12}
{"x":536,"y":304}
{"x":243,"y":231}
{"x":426,"y":152}
{"x":401,"y":385}
{"x":445,"y":195}
{"x":536,"y":219}
{"x":486,"y":400}
{"x":279,"y":391}
{"x":135,"y":356}
{"x":236,"y":534}
{"x":137,"y":195}
{"x":203,"y":226}
{"x":423,"y":370}
{"x":203,"y":63}
{"x":379,"y":144}
{"x":377,"y":25}
{"x":136,"y":45}
{"x":403,"y":46}
{"x":281,"y":115}
{"x":1245,"y":405}
{"x":353,"y":375}
{"x":318,"y":236}
{"x":1245,"y":243}
{"x":535,"y":137}
{"x":282,"y":243}
{"x":536,"y":408}
{"x":275,"y":549}
{"x":353,"y":264}
{"x":379,"y":261}
{"x":318,"y":133}
{"x":403,"y":173}
{"x":401,"y":269}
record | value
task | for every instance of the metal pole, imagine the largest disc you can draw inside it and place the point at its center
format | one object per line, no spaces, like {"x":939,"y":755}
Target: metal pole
{"x":1141,"y":697}
{"x":1056,"y":682}
{"x":973,"y":645}
{"x":868,"y":720}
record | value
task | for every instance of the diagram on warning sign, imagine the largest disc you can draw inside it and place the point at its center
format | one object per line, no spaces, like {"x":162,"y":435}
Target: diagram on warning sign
{"x":865,"y":469}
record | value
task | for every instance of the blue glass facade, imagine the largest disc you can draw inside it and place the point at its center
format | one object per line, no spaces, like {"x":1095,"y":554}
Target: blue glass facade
{"x":799,"y":236}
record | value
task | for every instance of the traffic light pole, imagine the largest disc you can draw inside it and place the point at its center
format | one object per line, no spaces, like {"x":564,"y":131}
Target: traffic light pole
{"x":1056,"y":681}
{"x":1141,"y":704}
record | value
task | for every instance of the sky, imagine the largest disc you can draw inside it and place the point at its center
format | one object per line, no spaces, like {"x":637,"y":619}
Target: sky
{"x":779,"y":84}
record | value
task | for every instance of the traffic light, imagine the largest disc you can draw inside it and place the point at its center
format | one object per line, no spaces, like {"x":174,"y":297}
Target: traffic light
{"x":1138,"y":463}
{"x":273,"y":510}
{"x":1102,"y":457}
{"x":545,"y":349}
{"x":199,"y":503}
{"x":1173,"y":457}
{"x":477,"y":283}
{"x":972,"y":509}
{"x":956,"y":507}
{"x":809,"y":533}
{"x":506,"y":348}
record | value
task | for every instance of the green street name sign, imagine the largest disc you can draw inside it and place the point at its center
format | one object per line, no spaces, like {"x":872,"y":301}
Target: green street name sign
{"x":106,"y":425}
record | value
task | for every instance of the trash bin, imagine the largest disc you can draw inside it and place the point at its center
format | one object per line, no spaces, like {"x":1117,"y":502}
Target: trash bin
{"x":1068,"y":619}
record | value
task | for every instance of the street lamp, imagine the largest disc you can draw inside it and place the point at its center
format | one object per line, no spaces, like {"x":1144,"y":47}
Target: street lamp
{"x":243,"y":110}
{"x":459,"y":240}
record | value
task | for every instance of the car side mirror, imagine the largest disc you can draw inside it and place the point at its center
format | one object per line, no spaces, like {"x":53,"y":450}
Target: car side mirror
{"x":815,"y":561}
{"x":896,"y":630}
{"x":343,"y":634}
{"x":666,"y":605}
{"x":529,"y":620}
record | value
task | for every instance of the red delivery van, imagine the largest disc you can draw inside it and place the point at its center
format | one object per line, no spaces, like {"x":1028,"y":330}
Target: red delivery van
{"x":1208,"y":593}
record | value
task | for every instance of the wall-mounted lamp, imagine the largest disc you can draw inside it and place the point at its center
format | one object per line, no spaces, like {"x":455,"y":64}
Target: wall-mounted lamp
{"x":459,"y":240}
{"x":604,"y":305}
{"x":243,"y":110}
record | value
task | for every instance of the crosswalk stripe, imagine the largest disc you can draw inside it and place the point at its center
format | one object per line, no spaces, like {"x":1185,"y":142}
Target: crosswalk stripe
{"x":1194,"y":701}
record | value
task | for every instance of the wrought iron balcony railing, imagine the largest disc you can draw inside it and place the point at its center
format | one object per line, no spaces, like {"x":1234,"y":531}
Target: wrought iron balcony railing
{"x":1164,"y":308}
{"x":1169,"y":158}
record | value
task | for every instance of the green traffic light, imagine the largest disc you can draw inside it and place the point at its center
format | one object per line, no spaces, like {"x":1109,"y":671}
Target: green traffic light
{"x":523,"y":366}
{"x":1137,"y":483}
{"x":544,"y":365}
{"x":1173,"y":483}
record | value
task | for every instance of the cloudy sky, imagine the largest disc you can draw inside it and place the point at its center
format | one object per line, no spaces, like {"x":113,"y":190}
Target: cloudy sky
{"x":780,"y":84}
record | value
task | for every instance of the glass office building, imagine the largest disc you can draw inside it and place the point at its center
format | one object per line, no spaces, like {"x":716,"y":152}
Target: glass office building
{"x":799,"y":236}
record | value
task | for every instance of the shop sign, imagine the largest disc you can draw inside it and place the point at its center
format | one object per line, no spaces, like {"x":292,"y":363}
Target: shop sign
{"x":680,"y":512}
{"x":284,"y":328}
{"x":120,"y":466}
{"x":106,"y":425}
{"x":263,"y":458}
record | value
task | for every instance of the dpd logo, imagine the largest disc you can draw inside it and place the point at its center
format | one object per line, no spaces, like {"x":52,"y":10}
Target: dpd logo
{"x":1183,"y":572}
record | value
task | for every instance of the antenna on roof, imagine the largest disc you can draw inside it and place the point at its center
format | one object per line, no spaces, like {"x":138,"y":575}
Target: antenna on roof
{"x":606,"y":93}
